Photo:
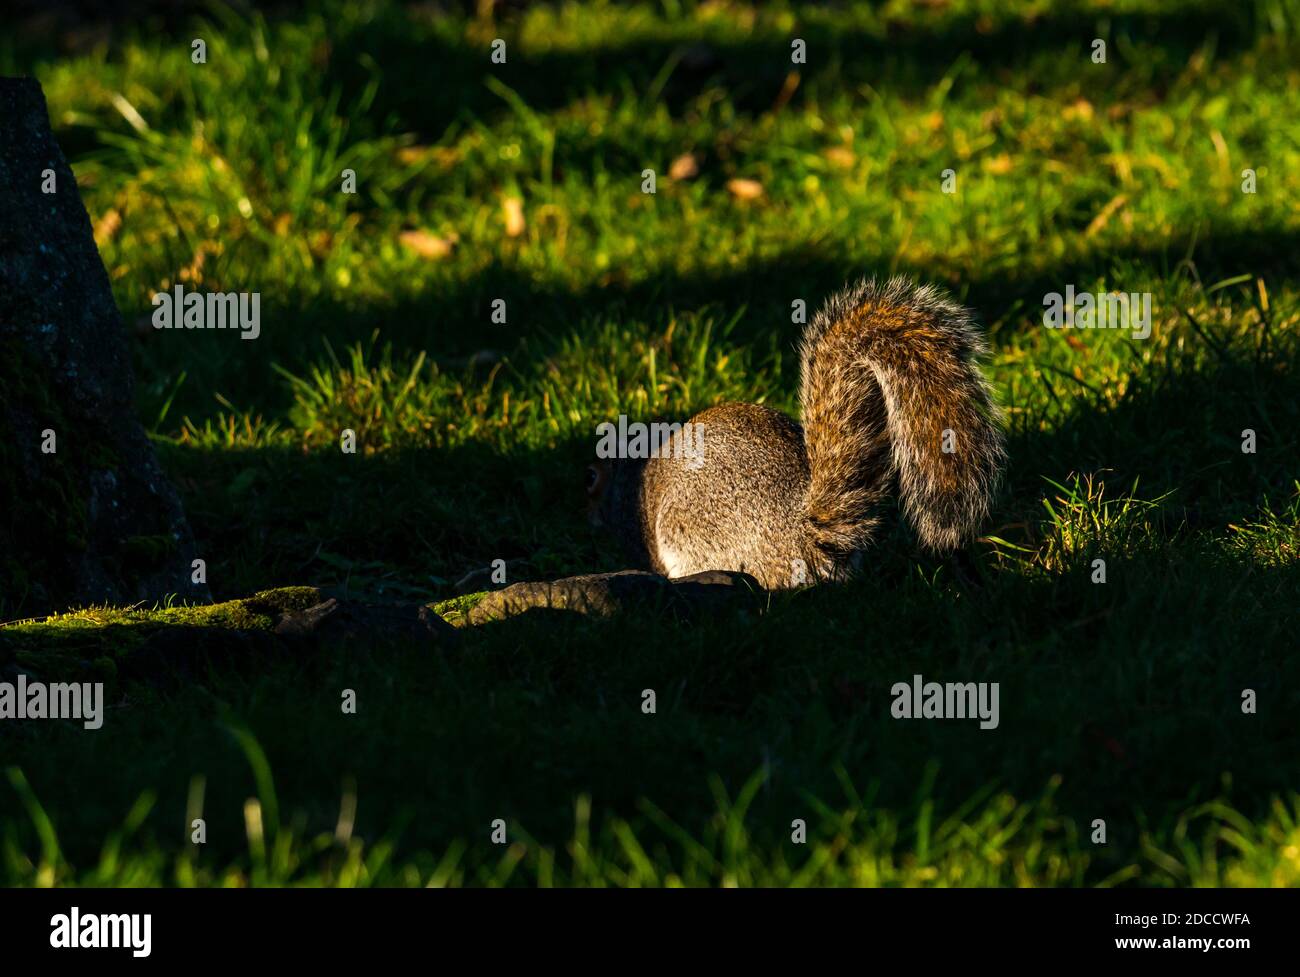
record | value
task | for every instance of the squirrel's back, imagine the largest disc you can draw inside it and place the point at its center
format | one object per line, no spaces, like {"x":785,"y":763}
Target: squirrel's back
{"x":739,"y":504}
{"x":891,"y":394}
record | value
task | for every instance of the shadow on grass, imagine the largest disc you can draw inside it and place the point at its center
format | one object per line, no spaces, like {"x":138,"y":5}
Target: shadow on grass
{"x":449,"y":319}
{"x":908,"y":57}
{"x":429,"y":82}
{"x":1132,"y":691}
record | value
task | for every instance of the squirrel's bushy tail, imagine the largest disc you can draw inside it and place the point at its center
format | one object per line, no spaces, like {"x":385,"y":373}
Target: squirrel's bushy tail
{"x":890,"y":385}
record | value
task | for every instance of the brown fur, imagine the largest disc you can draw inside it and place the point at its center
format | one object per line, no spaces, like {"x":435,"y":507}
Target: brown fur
{"x":886,"y":369}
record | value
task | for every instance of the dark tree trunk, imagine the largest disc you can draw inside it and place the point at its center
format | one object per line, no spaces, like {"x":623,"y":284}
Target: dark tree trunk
{"x":95,"y":520}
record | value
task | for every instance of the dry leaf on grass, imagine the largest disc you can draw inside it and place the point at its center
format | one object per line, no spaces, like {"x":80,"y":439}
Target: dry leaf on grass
{"x":427,"y":244}
{"x":512,"y":209}
{"x":684,"y":167}
{"x":999,"y":165}
{"x":743,"y":189}
{"x":841,"y":156}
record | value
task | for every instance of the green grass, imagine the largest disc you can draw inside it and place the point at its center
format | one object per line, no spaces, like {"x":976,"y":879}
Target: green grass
{"x":1120,"y":700}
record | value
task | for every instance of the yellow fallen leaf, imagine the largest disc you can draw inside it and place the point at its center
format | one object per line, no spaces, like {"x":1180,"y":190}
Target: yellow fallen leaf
{"x":427,"y":244}
{"x":841,"y":156}
{"x":999,"y":165}
{"x":743,"y":189}
{"x":684,"y":167}
{"x":513,"y":209}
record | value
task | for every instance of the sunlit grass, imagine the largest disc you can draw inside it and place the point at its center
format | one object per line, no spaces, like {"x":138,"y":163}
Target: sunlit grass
{"x":992,"y":840}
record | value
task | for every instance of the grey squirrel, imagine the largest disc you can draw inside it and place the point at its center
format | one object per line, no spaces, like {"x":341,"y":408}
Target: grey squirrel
{"x":890,"y":393}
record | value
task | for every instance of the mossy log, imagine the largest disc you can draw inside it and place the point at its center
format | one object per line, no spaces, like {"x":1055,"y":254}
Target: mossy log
{"x":111,"y":643}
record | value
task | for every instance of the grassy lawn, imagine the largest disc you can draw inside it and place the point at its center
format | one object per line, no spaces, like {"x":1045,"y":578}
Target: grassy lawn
{"x":522,"y":182}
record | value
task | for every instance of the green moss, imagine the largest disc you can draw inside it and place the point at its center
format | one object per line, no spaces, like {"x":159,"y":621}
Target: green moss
{"x":111,"y":632}
{"x":455,"y":610}
{"x":260,"y":611}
